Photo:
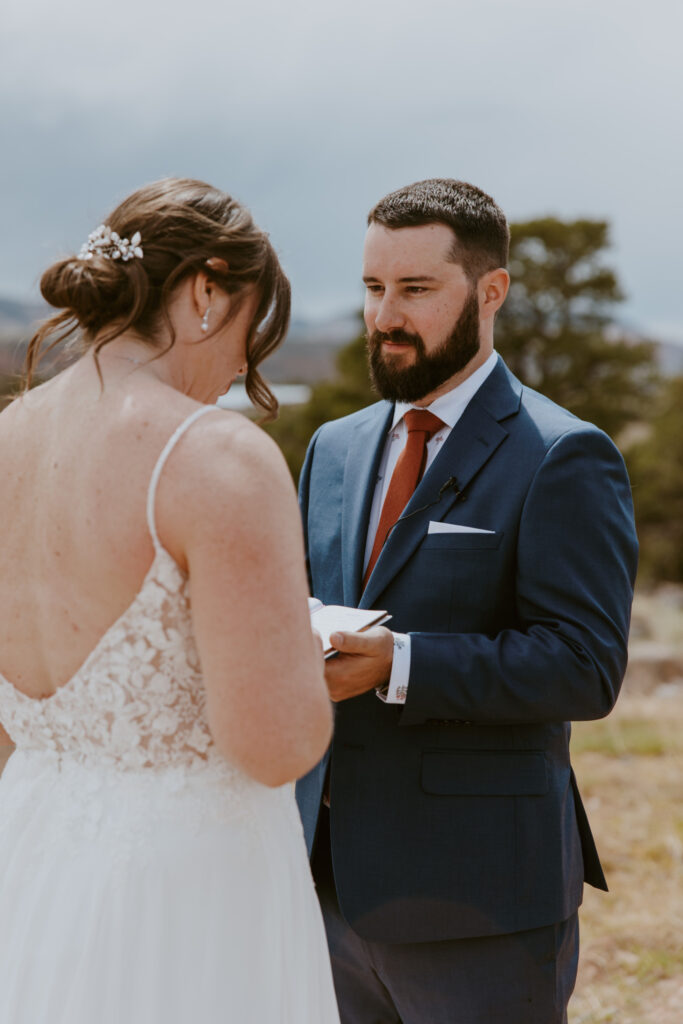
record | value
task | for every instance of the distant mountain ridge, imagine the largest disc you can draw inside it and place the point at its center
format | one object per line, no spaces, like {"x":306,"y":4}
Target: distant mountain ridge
{"x":17,"y":316}
{"x":20,"y":315}
{"x":307,"y":356}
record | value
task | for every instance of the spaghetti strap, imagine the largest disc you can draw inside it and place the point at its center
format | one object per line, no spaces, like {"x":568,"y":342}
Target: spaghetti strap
{"x":156,"y":472}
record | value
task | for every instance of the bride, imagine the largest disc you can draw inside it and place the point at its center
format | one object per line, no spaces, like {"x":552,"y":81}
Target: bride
{"x":158,"y":673}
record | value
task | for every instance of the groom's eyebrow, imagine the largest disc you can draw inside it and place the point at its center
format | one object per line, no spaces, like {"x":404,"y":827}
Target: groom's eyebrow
{"x":412,"y":280}
{"x":402,"y":280}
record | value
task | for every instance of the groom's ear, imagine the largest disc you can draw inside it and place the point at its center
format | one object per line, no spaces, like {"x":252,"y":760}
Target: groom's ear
{"x":492,"y":289}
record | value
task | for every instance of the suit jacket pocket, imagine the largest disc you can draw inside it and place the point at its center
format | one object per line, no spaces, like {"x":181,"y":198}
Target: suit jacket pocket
{"x":460,"y":541}
{"x":484,"y":772}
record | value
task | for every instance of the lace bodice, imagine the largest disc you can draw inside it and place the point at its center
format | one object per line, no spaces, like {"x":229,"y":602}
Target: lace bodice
{"x":138,"y":700}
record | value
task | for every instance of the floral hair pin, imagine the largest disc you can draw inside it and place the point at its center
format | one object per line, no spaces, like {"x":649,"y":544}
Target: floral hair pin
{"x":105,"y":242}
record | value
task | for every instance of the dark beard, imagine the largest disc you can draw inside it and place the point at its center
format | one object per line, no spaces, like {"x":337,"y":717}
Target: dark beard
{"x":428,"y":372}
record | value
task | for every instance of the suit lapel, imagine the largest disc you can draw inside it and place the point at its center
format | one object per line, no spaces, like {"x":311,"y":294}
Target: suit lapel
{"x":469,"y":446}
{"x":360,"y":475}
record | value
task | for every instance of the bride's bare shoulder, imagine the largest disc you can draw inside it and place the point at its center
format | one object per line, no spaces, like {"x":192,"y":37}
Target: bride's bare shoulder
{"x":222,"y":470}
{"x":219,"y":445}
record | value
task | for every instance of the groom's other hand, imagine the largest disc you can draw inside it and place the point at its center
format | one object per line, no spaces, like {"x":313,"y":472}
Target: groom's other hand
{"x":363,"y":663}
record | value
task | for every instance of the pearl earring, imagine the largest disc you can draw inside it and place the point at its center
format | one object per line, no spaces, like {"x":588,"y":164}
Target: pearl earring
{"x":205,"y":320}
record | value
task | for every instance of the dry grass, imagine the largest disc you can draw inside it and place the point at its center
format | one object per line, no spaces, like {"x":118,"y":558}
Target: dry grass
{"x":631,"y":968}
{"x":630,"y":770}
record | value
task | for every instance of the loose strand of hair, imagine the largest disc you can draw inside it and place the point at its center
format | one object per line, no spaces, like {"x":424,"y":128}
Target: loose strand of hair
{"x":36,"y":352}
{"x":261,"y":396}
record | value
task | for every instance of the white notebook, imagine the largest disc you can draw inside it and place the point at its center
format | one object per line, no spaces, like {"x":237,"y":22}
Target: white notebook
{"x":332,"y":618}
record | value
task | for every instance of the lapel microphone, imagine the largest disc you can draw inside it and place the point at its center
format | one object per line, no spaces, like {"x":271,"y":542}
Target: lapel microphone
{"x":451,"y":483}
{"x":448,"y":485}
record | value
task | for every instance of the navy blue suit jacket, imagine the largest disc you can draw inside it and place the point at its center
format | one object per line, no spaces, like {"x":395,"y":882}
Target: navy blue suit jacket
{"x":457,"y":814}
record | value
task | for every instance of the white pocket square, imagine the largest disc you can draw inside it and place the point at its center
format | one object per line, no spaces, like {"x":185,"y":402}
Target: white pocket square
{"x":454,"y":528}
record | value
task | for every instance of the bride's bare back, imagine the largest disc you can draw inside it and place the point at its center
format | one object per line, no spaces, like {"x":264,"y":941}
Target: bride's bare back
{"x":75,"y":462}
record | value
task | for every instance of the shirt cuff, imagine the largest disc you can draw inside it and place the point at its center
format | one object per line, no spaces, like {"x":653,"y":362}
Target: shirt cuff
{"x":396,"y":690}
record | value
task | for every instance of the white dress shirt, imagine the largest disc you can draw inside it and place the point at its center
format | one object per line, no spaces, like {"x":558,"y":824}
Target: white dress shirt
{"x":449,"y":408}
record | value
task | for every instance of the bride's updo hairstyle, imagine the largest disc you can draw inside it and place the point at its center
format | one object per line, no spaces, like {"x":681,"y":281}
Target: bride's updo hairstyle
{"x":181,"y":223}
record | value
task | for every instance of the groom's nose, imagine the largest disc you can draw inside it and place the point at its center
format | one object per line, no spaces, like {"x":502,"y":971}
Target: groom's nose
{"x":389,"y":315}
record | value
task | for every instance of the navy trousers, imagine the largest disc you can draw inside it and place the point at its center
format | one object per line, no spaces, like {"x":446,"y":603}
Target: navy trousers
{"x":522,"y":978}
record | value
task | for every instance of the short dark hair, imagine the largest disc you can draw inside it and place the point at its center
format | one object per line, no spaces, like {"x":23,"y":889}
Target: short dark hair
{"x":482,"y":236}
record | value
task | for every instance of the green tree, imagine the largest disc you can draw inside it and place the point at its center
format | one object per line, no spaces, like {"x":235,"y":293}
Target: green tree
{"x":349,"y":391}
{"x":556,"y":329}
{"x":655,"y":465}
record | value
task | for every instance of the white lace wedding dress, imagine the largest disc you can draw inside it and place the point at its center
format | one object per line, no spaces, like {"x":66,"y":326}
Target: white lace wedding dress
{"x":143,"y":879}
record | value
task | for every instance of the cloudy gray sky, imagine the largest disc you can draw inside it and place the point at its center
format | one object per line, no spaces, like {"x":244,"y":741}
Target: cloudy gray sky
{"x":310,"y":111}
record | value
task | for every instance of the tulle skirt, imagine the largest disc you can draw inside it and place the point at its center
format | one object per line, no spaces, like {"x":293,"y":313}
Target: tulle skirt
{"x":155,"y":897}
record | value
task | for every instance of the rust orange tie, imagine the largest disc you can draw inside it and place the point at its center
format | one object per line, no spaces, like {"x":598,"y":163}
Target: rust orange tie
{"x":421,"y":426}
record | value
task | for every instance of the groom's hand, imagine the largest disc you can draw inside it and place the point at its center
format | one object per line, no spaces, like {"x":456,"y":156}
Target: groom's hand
{"x":363,"y":663}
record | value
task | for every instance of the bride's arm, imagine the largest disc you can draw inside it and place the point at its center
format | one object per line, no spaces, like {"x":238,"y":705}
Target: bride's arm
{"x":231,"y":507}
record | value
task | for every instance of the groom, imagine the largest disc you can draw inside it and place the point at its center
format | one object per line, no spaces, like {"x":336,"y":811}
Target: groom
{"x":449,"y":843}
